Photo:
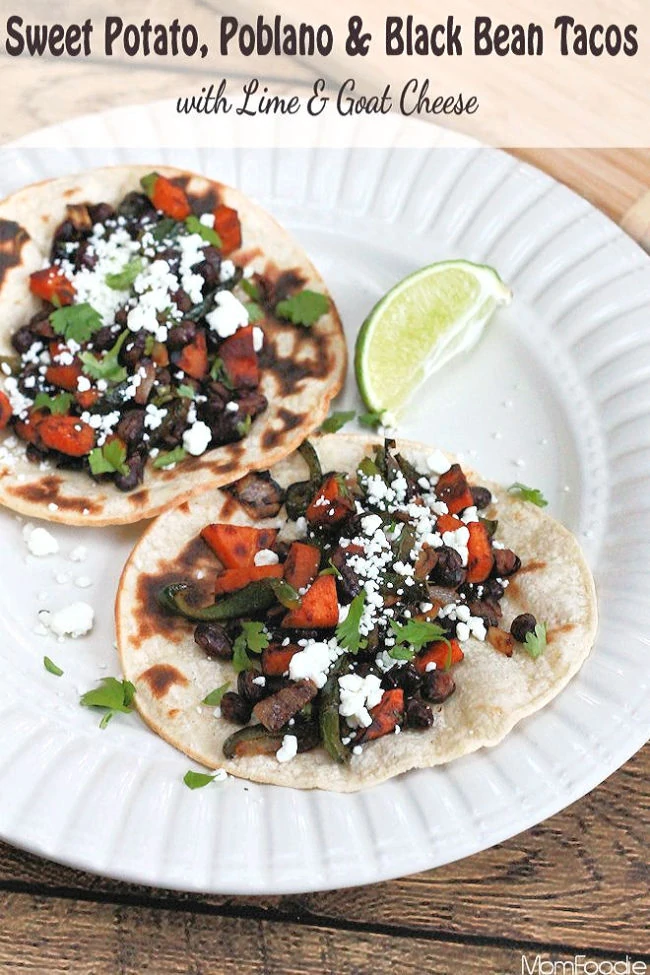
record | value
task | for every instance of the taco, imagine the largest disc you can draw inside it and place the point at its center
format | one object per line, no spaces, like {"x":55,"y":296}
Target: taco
{"x":363,"y":609}
{"x":161,"y":334}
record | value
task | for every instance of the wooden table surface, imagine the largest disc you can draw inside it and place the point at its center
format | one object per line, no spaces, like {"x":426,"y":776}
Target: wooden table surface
{"x":577,"y":884}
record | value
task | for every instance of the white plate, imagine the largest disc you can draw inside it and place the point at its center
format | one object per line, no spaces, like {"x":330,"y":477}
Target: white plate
{"x":556,"y":395}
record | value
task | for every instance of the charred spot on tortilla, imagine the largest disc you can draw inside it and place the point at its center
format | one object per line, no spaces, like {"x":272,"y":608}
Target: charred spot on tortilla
{"x":47,"y":491}
{"x":184,"y":507}
{"x":535,"y":565}
{"x":173,"y":712}
{"x":13,"y":238}
{"x":139,"y":498}
{"x":151,"y":619}
{"x":270,"y":438}
{"x":201,"y":202}
{"x":162,"y":677}
{"x":556,"y":631}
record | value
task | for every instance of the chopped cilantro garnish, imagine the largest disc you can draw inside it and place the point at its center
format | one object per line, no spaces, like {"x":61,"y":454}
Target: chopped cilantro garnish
{"x":372,"y":419}
{"x":255,"y":312}
{"x":401,"y":653}
{"x":169,"y":458}
{"x":122,"y":280}
{"x":250,"y":288}
{"x":55,"y":404}
{"x":253,"y":638}
{"x":77,"y":322}
{"x":186,"y":391}
{"x":213,"y":699}
{"x":166,"y":228}
{"x":535,"y":643}
{"x":303,"y":308}
{"x":347,"y":632}
{"x":524,"y":493}
{"x":337,"y":420}
{"x":418,"y":633}
{"x":195,"y":226}
{"x":109,"y":459}
{"x":108,"y":366}
{"x":197,"y":780}
{"x":218,"y":373}
{"x":51,"y":667}
{"x":112,"y":697}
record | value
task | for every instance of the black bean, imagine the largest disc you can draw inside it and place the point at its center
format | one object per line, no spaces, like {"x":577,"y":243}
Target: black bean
{"x":135,"y":206}
{"x":448,"y":571}
{"x":506,"y":563}
{"x":481,"y":497}
{"x":85,"y":257}
{"x":23,"y":339}
{"x":132,"y":352}
{"x":105,"y":338}
{"x":181,"y":335}
{"x":522,"y":625}
{"x":488,"y":611}
{"x":30,"y":373}
{"x":130,"y":429}
{"x":247,"y":687}
{"x":182,"y":300}
{"x":418,"y":714}
{"x":101,"y":212}
{"x":492,"y":590}
{"x":236,"y":708}
{"x":135,"y":464}
{"x":437,"y":686}
{"x":213,"y":640}
{"x":409,"y":679}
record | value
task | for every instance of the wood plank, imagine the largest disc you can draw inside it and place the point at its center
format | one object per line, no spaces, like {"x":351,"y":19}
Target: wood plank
{"x":582,"y":877}
{"x":59,"y":936}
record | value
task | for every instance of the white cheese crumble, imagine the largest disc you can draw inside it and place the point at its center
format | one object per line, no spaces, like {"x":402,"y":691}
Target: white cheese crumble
{"x":228,"y":315}
{"x":258,"y":338}
{"x":78,"y":554}
{"x":438,"y":463}
{"x":314,"y":661}
{"x":288,"y":749}
{"x":197,"y":438}
{"x":39,"y":541}
{"x":266,"y":557}
{"x":358,"y":696}
{"x":74,"y":620}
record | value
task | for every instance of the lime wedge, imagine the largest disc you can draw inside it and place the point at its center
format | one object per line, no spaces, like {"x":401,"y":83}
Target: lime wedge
{"x":424,"y":321}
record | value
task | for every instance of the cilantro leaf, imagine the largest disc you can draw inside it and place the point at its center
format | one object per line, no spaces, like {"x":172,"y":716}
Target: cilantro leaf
{"x":197,"y":780}
{"x":303,"y":308}
{"x":51,"y":667}
{"x":166,"y":228}
{"x":524,"y":493}
{"x":372,"y":418}
{"x":218,"y":373}
{"x":108,"y":366}
{"x":194,"y":226}
{"x":250,"y":288}
{"x":77,"y":322}
{"x":169,"y":458}
{"x":347,"y":631}
{"x":535,"y":643}
{"x":337,"y":420}
{"x":186,"y":391}
{"x":255,"y":312}
{"x":55,"y":404}
{"x":122,"y":280}
{"x":113,"y":696}
{"x":109,"y":459}
{"x":417,"y":633}
{"x":244,"y":425}
{"x":213,"y":699}
{"x":401,"y":652}
{"x":253,"y":638}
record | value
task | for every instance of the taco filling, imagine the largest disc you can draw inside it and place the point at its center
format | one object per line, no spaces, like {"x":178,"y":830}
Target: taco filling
{"x":348,"y":622}
{"x":148,"y":342}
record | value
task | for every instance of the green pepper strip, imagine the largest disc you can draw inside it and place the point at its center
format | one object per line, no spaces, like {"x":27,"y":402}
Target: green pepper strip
{"x":254,"y":598}
{"x":203,"y":307}
{"x":490,"y":524}
{"x":330,"y":722}
{"x":267,"y":741}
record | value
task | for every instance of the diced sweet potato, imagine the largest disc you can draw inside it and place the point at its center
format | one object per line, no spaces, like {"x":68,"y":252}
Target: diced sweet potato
{"x":65,"y":377}
{"x":276,"y":658}
{"x":440,"y":653}
{"x":301,"y":565}
{"x":331,"y":503}
{"x":480,"y":558}
{"x":193,"y":360}
{"x":237,"y":545}
{"x":5,"y":410}
{"x":233,"y":579}
{"x":240,"y":359}
{"x":453,"y":489}
{"x":51,"y":285}
{"x":385,"y":716}
{"x":67,"y":434}
{"x":169,"y":198}
{"x":227,"y":225}
{"x":319,"y":608}
{"x":448,"y":523}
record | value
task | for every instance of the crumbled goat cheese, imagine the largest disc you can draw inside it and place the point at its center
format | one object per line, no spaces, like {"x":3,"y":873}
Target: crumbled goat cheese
{"x":438,"y":463}
{"x":258,"y":338}
{"x":266,"y":557}
{"x":78,"y":554}
{"x":358,"y":696}
{"x":314,"y":661}
{"x":226,"y":271}
{"x":228,"y":315}
{"x":288,"y":749}
{"x":154,"y":416}
{"x":74,"y":620}
{"x":39,"y":541}
{"x":197,"y":438}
